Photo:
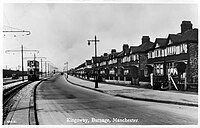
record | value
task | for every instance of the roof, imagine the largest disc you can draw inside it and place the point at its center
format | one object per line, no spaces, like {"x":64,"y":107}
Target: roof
{"x":88,"y":62}
{"x":189,"y":35}
{"x":134,"y":49}
{"x":98,"y":59}
{"x":104,"y":58}
{"x":161,"y":42}
{"x":121,"y":54}
{"x":114,"y":55}
{"x":146,"y":46}
{"x":80,"y":66}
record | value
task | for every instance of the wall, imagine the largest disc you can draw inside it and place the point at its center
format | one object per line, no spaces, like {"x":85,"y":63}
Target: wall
{"x":193,"y":63}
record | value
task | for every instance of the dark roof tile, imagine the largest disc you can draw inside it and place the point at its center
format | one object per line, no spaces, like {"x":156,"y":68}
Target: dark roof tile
{"x":161,"y":42}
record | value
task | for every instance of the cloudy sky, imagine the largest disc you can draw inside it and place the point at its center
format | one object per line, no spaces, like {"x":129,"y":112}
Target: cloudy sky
{"x":60,"y":30}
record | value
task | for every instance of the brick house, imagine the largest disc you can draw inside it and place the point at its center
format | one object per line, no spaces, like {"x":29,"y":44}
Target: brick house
{"x":176,"y":56}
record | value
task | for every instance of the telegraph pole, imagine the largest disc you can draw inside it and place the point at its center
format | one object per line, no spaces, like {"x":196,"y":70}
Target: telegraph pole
{"x":22,"y":55}
{"x":22,"y":63}
{"x":17,"y":31}
{"x":96,"y":72}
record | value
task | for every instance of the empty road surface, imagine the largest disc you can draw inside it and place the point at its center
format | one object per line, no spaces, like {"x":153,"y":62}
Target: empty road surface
{"x":61,"y":103}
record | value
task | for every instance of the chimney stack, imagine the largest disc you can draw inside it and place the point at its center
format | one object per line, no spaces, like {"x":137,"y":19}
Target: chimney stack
{"x":186,"y":25}
{"x":105,"y":54}
{"x":125,"y":47}
{"x":145,"y":39}
{"x":113,"y":51}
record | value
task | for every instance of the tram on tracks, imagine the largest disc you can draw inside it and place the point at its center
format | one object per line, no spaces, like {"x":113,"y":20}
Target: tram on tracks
{"x":33,"y":70}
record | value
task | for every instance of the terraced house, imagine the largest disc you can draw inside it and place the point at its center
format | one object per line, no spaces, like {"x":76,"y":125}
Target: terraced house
{"x":176,"y":57}
{"x":172,"y":60}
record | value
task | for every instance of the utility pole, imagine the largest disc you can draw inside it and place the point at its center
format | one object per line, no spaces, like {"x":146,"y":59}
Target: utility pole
{"x":95,"y":60}
{"x":14,"y":32}
{"x":22,"y":55}
{"x":22,"y":62}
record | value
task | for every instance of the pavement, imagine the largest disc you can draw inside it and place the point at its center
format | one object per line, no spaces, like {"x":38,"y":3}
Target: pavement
{"x":169,"y":97}
{"x":22,"y":111}
{"x":22,"y":105}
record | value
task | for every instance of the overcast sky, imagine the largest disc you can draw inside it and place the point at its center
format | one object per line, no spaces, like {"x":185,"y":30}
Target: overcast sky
{"x":60,"y":31}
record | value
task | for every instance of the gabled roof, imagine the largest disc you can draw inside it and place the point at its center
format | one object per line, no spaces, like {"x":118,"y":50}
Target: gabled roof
{"x":121,"y":54}
{"x":80,"y":66}
{"x":146,"y":46}
{"x":97,"y":60}
{"x":114,"y":55}
{"x":104,"y":58}
{"x":189,"y":35}
{"x":162,"y":42}
{"x":134,"y":49}
{"x":174,"y":37}
{"x":88,"y":62}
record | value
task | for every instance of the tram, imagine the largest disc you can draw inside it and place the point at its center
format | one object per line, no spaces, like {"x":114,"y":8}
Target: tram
{"x":33,"y":70}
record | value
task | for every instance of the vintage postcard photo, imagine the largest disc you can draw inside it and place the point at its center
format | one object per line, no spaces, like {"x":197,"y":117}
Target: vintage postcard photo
{"x":100,"y":63}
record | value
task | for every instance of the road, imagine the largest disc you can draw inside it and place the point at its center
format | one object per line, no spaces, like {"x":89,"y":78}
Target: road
{"x":60,"y":103}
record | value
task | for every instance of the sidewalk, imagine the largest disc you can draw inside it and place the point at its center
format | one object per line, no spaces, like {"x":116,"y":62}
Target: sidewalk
{"x":22,"y":111}
{"x":170,"y":97}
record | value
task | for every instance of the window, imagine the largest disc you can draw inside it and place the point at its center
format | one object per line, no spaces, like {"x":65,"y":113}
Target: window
{"x":137,"y":57}
{"x":171,"y":69}
{"x":149,"y":55}
{"x":126,"y":72}
{"x":178,"y":49}
{"x":132,"y":57}
{"x":112,"y":71}
{"x":163,"y":52}
{"x":166,"y":52}
{"x":102,"y":72}
{"x":126,"y":59}
{"x":159,"y":69}
{"x":184,"y":48}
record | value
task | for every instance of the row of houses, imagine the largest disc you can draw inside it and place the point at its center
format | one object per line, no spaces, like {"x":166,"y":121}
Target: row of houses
{"x":175,"y":57}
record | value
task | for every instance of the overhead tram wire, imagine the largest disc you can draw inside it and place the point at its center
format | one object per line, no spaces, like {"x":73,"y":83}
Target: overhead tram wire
{"x":13,"y":28}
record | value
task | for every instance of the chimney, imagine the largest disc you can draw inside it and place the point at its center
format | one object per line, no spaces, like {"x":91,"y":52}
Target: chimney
{"x":145,"y":39}
{"x":186,"y":25}
{"x":105,"y":54}
{"x":113,"y":51}
{"x":125,"y":47}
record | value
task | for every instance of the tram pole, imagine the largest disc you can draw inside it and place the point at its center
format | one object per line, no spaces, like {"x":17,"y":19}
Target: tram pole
{"x":22,"y":63}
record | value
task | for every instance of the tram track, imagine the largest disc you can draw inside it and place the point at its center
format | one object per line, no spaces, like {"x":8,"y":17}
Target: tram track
{"x":12,"y":91}
{"x":18,"y":97}
{"x":8,"y":94}
{"x":12,"y":81}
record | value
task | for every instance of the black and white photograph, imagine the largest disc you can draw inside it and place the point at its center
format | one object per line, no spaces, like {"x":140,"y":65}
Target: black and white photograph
{"x":114,"y":63}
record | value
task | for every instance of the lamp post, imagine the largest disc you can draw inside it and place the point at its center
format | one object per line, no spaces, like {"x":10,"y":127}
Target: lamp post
{"x":95,"y":60}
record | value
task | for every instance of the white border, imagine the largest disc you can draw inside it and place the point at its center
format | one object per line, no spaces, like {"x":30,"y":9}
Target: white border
{"x":97,"y":1}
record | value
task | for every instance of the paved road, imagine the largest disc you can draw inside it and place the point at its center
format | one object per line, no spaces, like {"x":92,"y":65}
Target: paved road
{"x":59,"y":102}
